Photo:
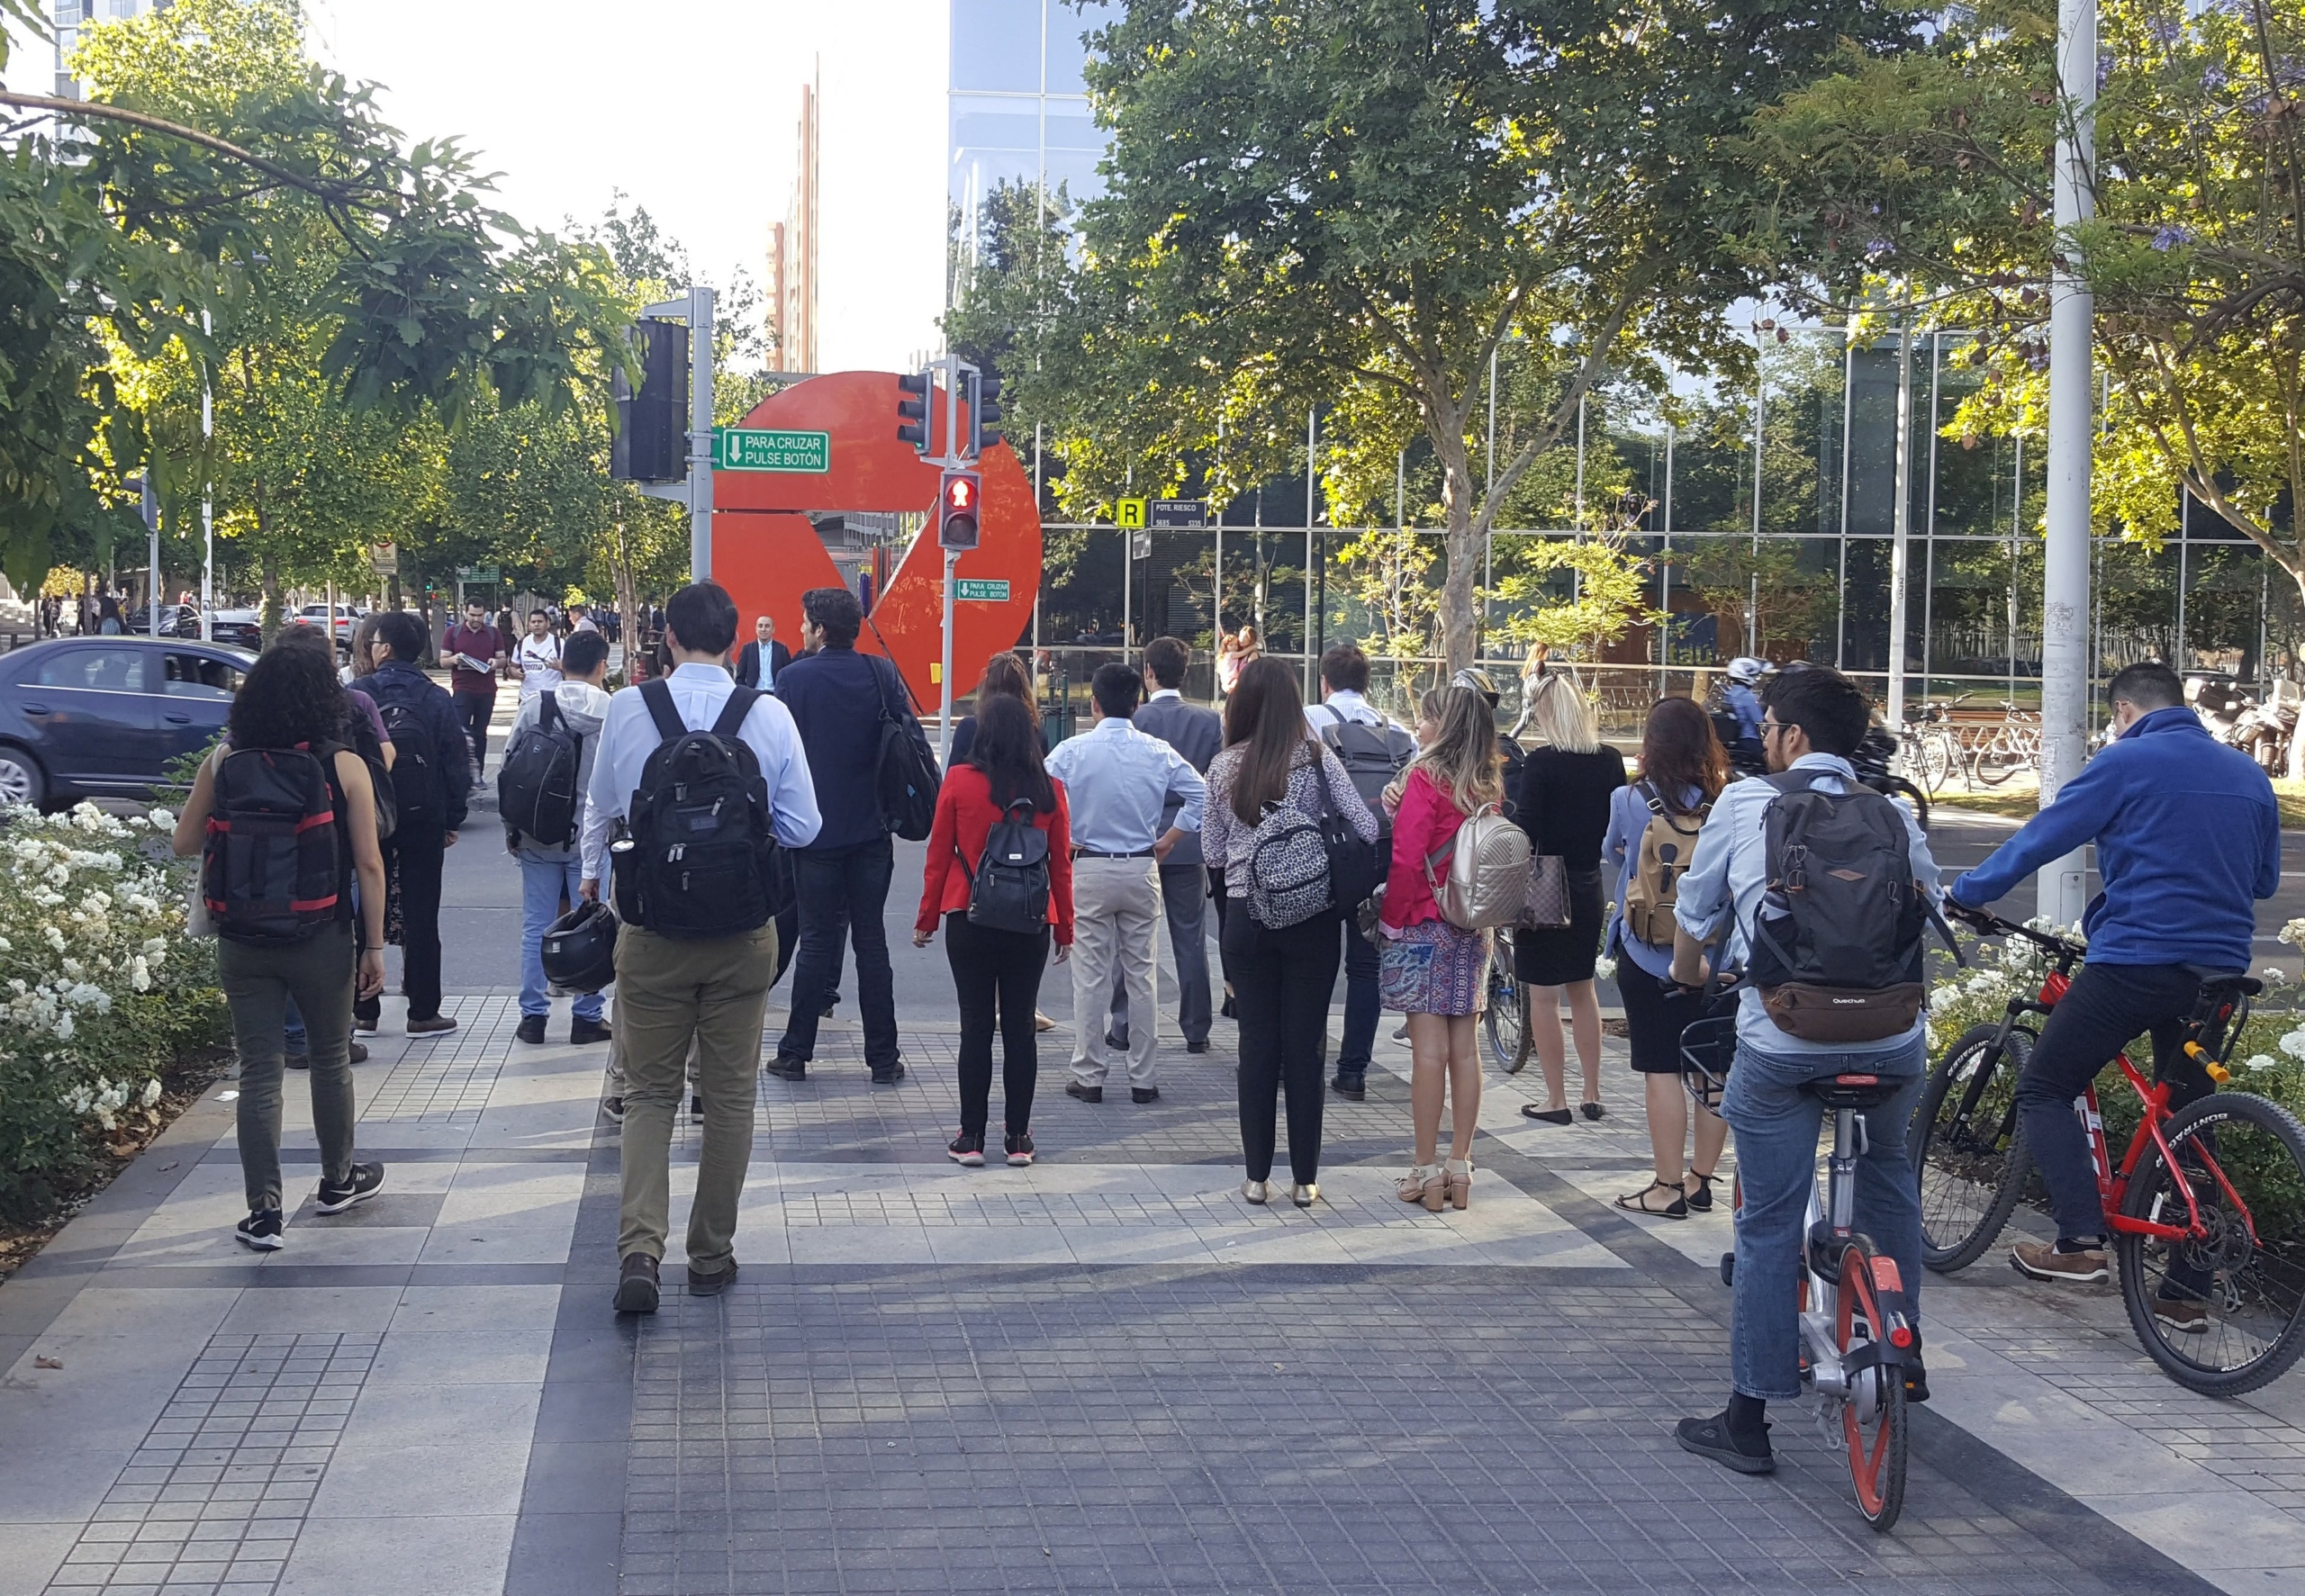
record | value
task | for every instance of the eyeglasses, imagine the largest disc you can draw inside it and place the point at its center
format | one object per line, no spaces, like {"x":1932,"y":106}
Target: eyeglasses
{"x":1769,"y":725}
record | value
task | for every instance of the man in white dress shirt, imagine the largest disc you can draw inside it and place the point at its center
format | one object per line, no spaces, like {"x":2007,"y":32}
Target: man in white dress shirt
{"x":673,"y":993}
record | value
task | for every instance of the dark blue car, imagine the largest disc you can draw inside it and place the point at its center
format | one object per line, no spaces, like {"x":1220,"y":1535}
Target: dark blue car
{"x":103,"y":716}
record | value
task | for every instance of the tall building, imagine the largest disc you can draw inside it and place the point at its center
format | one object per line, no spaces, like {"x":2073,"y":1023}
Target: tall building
{"x":1018,"y":110}
{"x":67,"y":17}
{"x":793,"y":249}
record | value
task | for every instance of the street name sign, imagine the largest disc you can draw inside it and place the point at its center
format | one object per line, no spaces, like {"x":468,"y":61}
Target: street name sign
{"x":1179,"y":513}
{"x":756,"y":448}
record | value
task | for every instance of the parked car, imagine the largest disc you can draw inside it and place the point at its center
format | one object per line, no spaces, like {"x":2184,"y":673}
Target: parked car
{"x":103,"y":716}
{"x":241,"y":628}
{"x":346,"y":618}
{"x":176,"y":621}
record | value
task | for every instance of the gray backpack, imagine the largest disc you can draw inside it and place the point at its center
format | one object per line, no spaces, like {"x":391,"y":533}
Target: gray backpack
{"x":1371,"y":755}
{"x":1836,"y":940}
{"x":1288,"y":867}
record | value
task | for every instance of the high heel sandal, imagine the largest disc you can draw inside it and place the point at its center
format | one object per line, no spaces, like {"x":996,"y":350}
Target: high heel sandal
{"x":1638,"y":1202}
{"x":1425,"y":1183}
{"x":1458,"y":1175}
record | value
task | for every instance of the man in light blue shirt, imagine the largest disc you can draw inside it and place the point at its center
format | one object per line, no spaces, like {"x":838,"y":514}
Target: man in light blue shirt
{"x":1117,"y":784}
{"x":1813,"y":720}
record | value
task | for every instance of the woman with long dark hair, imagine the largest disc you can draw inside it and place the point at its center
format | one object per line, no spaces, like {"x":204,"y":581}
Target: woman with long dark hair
{"x":1281,"y":978}
{"x":1683,"y":767}
{"x":996,"y":969}
{"x":292,"y":702}
{"x":1006,"y":675}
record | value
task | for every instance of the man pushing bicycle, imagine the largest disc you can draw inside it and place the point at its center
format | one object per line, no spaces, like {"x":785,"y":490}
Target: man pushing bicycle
{"x":1820,"y":887}
{"x":2188,"y":838}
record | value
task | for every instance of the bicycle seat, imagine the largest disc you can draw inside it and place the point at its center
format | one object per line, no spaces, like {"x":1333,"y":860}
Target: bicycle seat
{"x":2239,"y":980}
{"x":1850,"y":1091}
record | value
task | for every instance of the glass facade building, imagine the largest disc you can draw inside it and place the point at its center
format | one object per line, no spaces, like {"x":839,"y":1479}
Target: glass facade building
{"x":1019,"y":111}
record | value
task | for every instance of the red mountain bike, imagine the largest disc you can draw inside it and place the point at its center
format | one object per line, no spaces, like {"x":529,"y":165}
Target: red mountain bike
{"x":2206,"y":1210}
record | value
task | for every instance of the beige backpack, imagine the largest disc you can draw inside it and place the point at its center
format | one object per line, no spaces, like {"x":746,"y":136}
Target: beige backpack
{"x":1486,"y":881}
{"x":1667,"y":843}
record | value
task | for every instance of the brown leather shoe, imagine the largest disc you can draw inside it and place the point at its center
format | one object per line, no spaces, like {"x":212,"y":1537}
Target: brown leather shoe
{"x":711,"y":1286}
{"x":437,"y":1023}
{"x":2042,"y":1261}
{"x":636,"y":1285}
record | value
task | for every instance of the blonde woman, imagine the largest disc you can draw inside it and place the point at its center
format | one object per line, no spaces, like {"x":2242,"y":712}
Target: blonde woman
{"x":1562,"y":802}
{"x":1434,"y":972}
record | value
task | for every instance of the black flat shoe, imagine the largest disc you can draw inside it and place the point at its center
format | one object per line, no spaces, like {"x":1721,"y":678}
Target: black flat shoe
{"x":1709,"y":1438}
{"x":1592,"y":1111}
{"x":1550,"y":1117}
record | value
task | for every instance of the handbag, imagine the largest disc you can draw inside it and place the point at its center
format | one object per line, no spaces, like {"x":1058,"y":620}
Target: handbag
{"x":1546,"y":908}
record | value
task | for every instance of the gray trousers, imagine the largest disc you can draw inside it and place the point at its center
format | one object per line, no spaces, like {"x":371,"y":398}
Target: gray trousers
{"x":258,"y":982}
{"x":1184,"y":896}
{"x":1116,"y":916}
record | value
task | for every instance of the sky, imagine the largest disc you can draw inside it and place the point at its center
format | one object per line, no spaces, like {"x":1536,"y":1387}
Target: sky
{"x":692,"y":111}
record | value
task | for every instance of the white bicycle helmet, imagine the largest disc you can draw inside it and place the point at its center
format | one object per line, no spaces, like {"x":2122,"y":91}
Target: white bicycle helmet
{"x":1746,"y":669}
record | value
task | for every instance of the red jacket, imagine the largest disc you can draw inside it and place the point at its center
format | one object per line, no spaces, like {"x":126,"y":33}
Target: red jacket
{"x":964,"y":816}
{"x":1428,"y":819}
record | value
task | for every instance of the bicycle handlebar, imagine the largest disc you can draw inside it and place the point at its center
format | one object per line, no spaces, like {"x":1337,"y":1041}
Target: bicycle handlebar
{"x":1987,"y":921}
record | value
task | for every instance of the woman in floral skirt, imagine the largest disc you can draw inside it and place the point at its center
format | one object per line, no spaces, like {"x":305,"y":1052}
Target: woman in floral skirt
{"x":1436,"y":973}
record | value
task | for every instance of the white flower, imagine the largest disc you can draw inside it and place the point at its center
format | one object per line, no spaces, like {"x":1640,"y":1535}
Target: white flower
{"x":1943,"y":998}
{"x":2293,"y":1044}
{"x":151,"y":1094}
{"x":2260,"y":1063}
{"x":1605,"y":968}
{"x":2270,"y":975}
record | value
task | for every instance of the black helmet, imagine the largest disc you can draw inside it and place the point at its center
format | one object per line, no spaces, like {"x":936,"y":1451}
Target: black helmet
{"x":579,"y":953}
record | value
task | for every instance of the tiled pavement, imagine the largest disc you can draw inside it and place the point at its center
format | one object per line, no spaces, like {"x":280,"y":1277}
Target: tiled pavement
{"x":1101,"y":1374}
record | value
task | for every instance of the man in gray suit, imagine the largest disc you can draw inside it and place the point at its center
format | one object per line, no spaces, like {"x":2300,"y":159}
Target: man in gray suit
{"x":1196,"y":734}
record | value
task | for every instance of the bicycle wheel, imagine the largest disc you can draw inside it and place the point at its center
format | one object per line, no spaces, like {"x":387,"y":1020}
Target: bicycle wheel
{"x":1506,"y":1021}
{"x":2224,"y":1314}
{"x":1873,"y":1417}
{"x":1897,"y":786}
{"x":1966,"y":1148}
{"x":1997,"y":762}
{"x":1935,"y":764}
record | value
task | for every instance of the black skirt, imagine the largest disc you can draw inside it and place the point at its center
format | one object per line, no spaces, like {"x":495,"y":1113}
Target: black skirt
{"x":1563,"y":958}
{"x":1654,"y":1013}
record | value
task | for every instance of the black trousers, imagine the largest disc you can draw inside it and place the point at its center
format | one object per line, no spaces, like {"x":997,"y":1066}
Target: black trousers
{"x":474,"y":711}
{"x":420,"y":855}
{"x":1281,"y":984}
{"x":843,"y":892}
{"x":2107,"y":1005}
{"x":995,"y":970}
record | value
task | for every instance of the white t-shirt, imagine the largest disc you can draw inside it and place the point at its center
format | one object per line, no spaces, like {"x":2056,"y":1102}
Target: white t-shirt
{"x":540,"y":662}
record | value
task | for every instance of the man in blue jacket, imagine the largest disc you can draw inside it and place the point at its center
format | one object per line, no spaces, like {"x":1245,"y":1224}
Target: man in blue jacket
{"x":2188,"y":838}
{"x":837,"y":698}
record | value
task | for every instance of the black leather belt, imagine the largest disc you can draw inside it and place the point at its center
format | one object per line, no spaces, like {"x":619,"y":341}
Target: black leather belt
{"x":1092,"y":854}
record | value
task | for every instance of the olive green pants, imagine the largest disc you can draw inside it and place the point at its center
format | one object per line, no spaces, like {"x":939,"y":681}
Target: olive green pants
{"x":668,"y":994}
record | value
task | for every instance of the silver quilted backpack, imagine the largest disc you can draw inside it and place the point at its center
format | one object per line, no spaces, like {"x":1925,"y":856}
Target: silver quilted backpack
{"x":1486,"y":871}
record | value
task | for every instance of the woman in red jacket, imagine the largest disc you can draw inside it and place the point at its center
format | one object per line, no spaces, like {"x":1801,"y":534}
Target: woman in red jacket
{"x":993,"y":968}
{"x":1436,"y":973}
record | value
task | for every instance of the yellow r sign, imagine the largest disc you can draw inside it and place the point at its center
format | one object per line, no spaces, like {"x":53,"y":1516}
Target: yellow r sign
{"x":1129,"y":513}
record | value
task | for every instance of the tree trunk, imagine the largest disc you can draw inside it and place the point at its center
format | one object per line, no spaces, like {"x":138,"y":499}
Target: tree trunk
{"x":1459,"y":627}
{"x":268,"y":616}
{"x":627,"y":596}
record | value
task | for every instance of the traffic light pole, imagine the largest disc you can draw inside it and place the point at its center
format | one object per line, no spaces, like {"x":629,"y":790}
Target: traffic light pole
{"x":945,"y":732}
{"x":695,"y":307}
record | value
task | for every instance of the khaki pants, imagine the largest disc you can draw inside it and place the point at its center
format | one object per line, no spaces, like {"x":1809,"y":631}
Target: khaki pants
{"x":1116,"y":910}
{"x":668,"y":994}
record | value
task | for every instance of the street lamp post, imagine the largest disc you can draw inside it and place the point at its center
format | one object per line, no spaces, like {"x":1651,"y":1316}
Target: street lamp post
{"x":2065,"y":573}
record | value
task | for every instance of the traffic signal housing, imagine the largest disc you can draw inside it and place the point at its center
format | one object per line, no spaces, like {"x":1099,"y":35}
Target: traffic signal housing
{"x":983,"y":411}
{"x":912,"y":410}
{"x":956,"y":510}
{"x":651,"y":443}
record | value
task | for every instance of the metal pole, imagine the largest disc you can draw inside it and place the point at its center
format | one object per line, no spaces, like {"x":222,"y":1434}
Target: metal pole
{"x":1488,"y":504}
{"x":951,"y":556}
{"x":945,"y":729}
{"x":1929,"y":580}
{"x":1581,"y":465}
{"x":207,"y":499}
{"x":2065,"y":565}
{"x":1901,"y":529}
{"x":2016,"y":529}
{"x":700,"y":436}
{"x":1753,"y":598}
{"x":1847,"y":420}
{"x":1665,"y":570}
{"x":1312,"y":442}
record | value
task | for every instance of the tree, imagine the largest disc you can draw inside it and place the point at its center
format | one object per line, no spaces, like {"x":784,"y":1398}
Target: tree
{"x":1356,"y":202}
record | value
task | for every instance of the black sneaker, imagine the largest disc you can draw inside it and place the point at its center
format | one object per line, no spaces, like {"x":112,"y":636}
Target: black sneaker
{"x":260,"y":1229}
{"x":365,"y":1181}
{"x":784,"y":1069}
{"x":1352,"y":1088}
{"x":530,"y":1029}
{"x":1143,"y":1093}
{"x":1709,"y":1438}
{"x":1019,"y":1144}
{"x":614,"y":1108}
{"x":1073,"y":1088}
{"x":967,"y":1150}
{"x":582,"y":1032}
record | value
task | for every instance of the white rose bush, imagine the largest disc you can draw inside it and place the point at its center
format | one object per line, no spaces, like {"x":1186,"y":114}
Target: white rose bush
{"x":101,"y":992}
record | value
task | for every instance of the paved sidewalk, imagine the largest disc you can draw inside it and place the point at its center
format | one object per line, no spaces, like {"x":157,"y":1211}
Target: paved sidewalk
{"x":1101,"y":1374}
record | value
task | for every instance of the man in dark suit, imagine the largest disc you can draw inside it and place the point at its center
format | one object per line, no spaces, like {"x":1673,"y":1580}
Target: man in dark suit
{"x":748,"y":671}
{"x":1197,"y":734}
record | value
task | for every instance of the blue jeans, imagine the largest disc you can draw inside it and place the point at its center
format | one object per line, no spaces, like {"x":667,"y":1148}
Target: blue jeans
{"x":844,"y":893}
{"x":1778,"y":1125}
{"x":543,"y":881}
{"x":1364,"y":1008}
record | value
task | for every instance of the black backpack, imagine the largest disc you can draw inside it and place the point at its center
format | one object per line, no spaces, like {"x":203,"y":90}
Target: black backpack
{"x":275,"y":866}
{"x":1009,"y":888}
{"x":419,"y":790}
{"x":536,"y":789}
{"x":1371,"y":755}
{"x":361,"y":738}
{"x":699,"y":859}
{"x":907,"y":779}
{"x":1836,"y":940}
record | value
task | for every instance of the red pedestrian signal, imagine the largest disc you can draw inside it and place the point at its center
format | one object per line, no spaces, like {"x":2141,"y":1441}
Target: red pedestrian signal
{"x":956,"y":510}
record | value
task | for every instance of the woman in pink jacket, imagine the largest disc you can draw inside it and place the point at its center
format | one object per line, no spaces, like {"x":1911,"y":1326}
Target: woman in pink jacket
{"x":1436,"y":973}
